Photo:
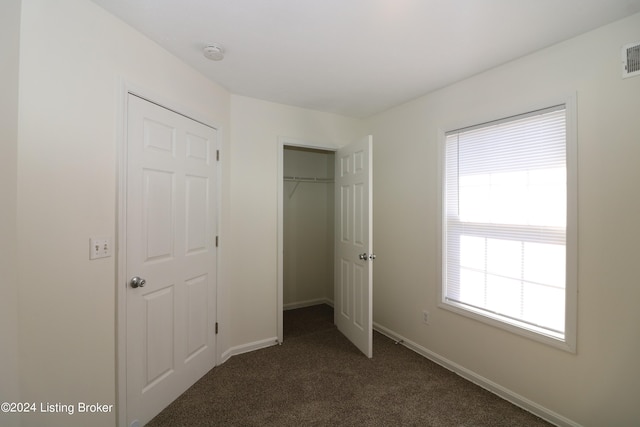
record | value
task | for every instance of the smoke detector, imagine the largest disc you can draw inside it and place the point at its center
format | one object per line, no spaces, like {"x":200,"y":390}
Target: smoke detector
{"x":214,"y":52}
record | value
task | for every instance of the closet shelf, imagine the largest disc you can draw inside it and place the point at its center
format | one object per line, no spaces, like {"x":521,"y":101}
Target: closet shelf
{"x":308,"y":179}
{"x":299,"y":179}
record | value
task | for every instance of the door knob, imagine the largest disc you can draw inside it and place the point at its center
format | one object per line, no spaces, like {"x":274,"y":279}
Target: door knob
{"x":363,"y":256}
{"x":137,"y":282}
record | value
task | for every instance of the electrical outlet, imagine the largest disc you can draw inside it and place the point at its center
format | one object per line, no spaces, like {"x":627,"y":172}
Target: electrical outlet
{"x":99,"y":247}
{"x":425,"y":317}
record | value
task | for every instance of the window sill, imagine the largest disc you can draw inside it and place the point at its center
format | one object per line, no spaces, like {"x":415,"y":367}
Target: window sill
{"x":565,"y":343}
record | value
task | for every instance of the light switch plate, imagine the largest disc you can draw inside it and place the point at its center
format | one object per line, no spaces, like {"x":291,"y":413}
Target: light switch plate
{"x":99,"y":247}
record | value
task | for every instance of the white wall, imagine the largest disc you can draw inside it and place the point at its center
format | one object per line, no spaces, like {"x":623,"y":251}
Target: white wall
{"x":598,"y":385}
{"x":308,"y":230}
{"x":255,"y":128}
{"x":73,"y":58}
{"x":10,"y":366}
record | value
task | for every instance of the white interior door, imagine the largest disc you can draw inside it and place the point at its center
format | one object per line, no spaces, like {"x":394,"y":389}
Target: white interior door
{"x":353,"y":294}
{"x":170,"y":243}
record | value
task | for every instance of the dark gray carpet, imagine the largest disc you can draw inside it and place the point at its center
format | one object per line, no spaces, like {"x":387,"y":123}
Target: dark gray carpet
{"x":318,"y":378}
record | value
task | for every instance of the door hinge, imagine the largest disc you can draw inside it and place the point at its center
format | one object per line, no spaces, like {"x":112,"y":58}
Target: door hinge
{"x":218,"y":155}
{"x":216,"y":328}
{"x":216,"y":241}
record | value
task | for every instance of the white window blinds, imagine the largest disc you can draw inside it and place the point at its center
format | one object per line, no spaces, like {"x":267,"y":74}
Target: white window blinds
{"x":505,"y":191}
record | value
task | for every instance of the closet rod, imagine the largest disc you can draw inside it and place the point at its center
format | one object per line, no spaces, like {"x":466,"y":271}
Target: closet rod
{"x":307,"y":179}
{"x":299,"y":179}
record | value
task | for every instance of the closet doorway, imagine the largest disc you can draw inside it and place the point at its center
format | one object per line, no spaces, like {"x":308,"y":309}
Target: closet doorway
{"x":306,"y":207}
{"x":353,"y":256}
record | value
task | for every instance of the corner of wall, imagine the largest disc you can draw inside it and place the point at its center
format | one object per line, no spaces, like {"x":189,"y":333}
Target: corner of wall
{"x":9,"y":323}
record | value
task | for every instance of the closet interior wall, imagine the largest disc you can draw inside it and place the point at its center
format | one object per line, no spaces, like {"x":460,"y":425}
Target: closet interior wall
{"x":308,"y":231}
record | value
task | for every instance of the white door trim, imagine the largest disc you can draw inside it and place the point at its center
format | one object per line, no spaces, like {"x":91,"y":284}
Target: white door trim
{"x":282,"y":142}
{"x":125,"y":89}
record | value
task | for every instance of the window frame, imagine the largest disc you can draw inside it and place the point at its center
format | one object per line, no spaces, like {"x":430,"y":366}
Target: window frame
{"x":569,"y":342}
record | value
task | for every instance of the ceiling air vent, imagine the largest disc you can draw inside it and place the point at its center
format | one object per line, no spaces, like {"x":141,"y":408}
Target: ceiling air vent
{"x":631,"y":60}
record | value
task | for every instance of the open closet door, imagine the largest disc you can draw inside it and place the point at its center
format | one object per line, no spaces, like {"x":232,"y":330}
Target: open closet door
{"x":353,"y":296}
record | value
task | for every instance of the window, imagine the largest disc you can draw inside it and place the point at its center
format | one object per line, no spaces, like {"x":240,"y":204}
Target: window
{"x":506,"y":216}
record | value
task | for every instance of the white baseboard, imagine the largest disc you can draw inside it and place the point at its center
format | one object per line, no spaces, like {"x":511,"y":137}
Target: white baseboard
{"x":245,"y":348}
{"x":307,"y":303}
{"x":489,"y":385}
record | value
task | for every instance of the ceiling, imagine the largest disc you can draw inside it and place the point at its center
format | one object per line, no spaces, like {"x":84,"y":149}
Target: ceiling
{"x":357,"y":57}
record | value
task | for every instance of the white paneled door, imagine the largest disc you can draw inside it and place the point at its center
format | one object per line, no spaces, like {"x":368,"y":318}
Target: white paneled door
{"x":353,"y":294}
{"x":170,"y":256}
